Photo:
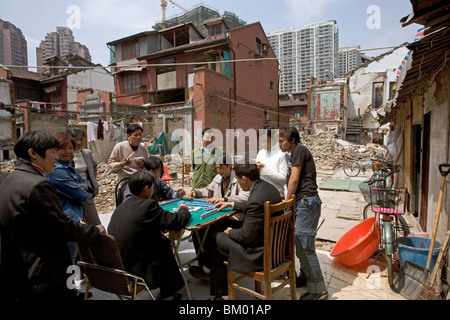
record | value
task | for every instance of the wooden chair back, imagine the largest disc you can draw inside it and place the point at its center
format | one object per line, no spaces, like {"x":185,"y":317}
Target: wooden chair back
{"x":186,"y":169}
{"x":279,"y":221}
{"x":118,"y":192}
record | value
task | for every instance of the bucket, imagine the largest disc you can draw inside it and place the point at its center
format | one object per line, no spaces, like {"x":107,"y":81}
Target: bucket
{"x":415,"y":249}
{"x":419,"y":234}
{"x":357,"y":244}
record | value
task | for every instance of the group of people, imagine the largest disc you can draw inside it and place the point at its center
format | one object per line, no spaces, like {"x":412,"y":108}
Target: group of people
{"x":46,"y":207}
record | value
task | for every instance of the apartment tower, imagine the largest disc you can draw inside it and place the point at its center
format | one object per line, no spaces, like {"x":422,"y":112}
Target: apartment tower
{"x":349,"y":58}
{"x":307,"y":52}
{"x":59,"y":44}
{"x":13,"y":46}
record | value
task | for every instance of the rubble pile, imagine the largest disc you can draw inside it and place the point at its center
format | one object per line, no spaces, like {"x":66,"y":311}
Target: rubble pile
{"x":330,"y":152}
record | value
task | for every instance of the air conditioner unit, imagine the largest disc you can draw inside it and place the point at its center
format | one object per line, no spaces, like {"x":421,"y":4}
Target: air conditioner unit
{"x":267,"y":117}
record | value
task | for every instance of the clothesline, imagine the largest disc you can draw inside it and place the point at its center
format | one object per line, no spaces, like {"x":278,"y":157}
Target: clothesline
{"x":115,"y":132}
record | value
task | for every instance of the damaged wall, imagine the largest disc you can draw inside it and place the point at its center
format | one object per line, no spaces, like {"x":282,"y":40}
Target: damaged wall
{"x":326,"y":108}
{"x":360,"y":82}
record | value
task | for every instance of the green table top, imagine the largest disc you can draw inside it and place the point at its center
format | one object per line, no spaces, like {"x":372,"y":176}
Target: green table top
{"x":195,"y":216}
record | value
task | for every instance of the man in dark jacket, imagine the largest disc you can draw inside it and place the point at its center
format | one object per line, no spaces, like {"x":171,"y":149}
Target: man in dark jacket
{"x":243,"y":247}
{"x":33,"y":227}
{"x":137,"y":226}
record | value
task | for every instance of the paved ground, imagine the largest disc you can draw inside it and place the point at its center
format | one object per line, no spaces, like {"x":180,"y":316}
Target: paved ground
{"x":341,"y":211}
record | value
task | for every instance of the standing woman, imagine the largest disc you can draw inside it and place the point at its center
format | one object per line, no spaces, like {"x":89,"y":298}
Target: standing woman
{"x":271,"y":161}
{"x":86,"y":166}
{"x":72,"y":189}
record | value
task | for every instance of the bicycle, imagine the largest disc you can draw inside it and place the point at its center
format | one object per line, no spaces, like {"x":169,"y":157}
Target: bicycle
{"x":389,"y":218}
{"x":382,"y":178}
{"x":353,"y":167}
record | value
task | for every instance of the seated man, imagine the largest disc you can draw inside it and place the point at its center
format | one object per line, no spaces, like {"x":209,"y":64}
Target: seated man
{"x":161,"y":191}
{"x":137,"y":226}
{"x":242,"y":247}
{"x":224,"y":187}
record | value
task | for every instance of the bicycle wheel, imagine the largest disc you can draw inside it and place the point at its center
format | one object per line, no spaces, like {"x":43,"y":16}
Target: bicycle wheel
{"x":352,"y":168}
{"x":390,"y":270}
{"x":367,"y":212}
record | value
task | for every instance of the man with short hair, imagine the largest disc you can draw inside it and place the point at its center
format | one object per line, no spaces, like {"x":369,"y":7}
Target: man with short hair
{"x":202,"y":160}
{"x":137,"y":225}
{"x":242,"y":247}
{"x":224,"y":187}
{"x":33,"y":226}
{"x":301,"y":181}
{"x":127,"y":157}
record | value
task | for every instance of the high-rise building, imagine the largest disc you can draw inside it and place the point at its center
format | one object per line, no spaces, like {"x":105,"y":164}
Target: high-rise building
{"x":59,"y":44}
{"x":349,"y":58}
{"x":307,"y":52}
{"x":13,"y":46}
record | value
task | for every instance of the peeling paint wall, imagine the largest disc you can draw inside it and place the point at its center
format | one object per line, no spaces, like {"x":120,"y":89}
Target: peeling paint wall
{"x":325,"y":104}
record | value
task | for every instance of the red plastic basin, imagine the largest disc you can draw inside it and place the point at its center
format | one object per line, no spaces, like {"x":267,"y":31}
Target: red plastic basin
{"x":357,"y":244}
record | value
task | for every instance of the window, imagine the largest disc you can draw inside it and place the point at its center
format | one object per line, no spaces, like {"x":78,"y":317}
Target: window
{"x":272,"y":85}
{"x":377,"y":94}
{"x":130,"y":50}
{"x":215,"y":30}
{"x":258,"y":48}
{"x":391,"y":90}
{"x":218,"y":61}
{"x":131,"y":83}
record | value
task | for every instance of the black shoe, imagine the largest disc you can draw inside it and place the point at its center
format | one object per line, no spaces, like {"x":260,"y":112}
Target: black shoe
{"x":198,"y":273}
{"x":300,"y":282}
{"x":314,"y":296}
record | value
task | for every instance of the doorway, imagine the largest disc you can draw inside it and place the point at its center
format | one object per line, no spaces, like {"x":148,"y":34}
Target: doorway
{"x":425,"y":165}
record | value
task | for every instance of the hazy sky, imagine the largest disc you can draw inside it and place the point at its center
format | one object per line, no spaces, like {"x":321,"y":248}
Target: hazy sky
{"x":367,"y":23}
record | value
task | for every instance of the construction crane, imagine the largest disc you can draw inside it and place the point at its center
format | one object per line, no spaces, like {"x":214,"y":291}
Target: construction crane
{"x":163,"y":8}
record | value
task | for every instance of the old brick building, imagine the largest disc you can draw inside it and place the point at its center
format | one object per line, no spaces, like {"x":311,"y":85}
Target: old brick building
{"x":227,"y":80}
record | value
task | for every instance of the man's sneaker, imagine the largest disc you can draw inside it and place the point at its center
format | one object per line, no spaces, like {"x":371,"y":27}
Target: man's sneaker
{"x":314,"y":296}
{"x":300,"y":282}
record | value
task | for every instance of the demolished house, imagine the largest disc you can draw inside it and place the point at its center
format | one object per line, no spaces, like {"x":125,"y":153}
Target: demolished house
{"x":370,"y":87}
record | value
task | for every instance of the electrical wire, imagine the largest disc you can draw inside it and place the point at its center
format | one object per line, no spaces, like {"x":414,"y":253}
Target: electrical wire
{"x":195,"y":63}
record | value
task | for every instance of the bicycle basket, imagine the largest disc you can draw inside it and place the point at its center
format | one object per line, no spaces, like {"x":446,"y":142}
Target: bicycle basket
{"x":365,"y":191}
{"x":388,"y":198}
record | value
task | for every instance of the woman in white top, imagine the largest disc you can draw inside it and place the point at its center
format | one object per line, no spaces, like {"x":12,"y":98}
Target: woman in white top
{"x":271,"y":161}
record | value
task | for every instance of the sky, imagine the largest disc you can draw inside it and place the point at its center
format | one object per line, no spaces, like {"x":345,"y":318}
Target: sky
{"x":369,"y":24}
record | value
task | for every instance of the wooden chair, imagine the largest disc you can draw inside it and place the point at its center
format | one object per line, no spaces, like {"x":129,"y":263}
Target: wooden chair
{"x":118,"y":192}
{"x":279,"y":255}
{"x":103,"y":269}
{"x":185,"y":173}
